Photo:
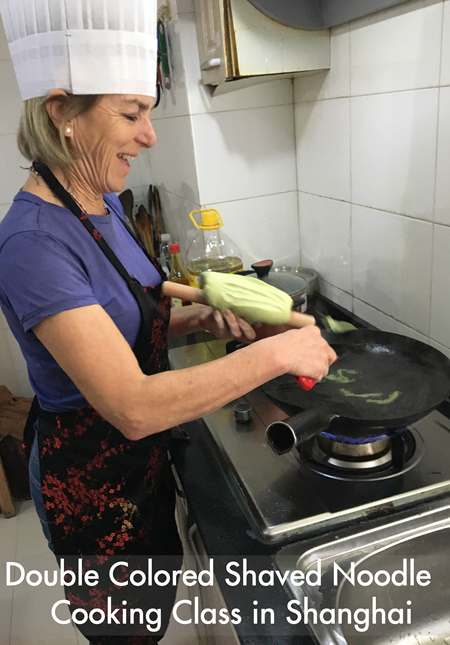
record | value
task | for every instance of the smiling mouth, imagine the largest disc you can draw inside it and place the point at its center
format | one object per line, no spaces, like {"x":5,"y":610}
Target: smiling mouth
{"x":125,"y":159}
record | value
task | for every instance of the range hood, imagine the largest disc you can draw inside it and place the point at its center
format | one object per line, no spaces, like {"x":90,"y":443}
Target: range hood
{"x":319,"y":14}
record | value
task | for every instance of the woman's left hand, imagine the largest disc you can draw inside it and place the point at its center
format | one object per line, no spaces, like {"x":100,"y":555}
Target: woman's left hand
{"x":227,"y":325}
{"x":188,"y":320}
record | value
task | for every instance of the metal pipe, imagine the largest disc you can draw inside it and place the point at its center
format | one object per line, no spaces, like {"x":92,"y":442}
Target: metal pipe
{"x":284,"y":436}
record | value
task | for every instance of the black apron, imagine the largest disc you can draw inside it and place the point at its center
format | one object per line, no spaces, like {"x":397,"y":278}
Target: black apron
{"x":104,"y":494}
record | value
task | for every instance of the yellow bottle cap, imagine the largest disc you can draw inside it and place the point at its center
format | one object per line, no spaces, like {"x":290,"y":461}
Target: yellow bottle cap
{"x":210,"y":219}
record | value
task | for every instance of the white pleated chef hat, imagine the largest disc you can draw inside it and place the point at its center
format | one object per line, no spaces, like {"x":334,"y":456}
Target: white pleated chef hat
{"x":82,"y":46}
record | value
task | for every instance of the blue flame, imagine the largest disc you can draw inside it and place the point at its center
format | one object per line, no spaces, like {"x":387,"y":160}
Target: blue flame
{"x":359,"y":440}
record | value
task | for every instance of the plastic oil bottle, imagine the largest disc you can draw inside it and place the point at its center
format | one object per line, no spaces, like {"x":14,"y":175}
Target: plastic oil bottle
{"x":211,"y":249}
{"x":177,"y":273}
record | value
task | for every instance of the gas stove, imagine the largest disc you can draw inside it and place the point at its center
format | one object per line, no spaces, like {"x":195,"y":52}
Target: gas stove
{"x":329,"y":481}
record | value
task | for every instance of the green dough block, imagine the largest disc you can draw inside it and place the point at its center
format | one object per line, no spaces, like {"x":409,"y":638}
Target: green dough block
{"x":337,"y":326}
{"x":253,"y":299}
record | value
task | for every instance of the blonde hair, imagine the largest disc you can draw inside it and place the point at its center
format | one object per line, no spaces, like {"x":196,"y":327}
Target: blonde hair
{"x":38,"y":138}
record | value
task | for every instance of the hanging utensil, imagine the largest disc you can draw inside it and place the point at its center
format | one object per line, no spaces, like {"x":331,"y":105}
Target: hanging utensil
{"x":163,"y":49}
{"x":157,"y":218}
{"x":126,"y":198}
{"x":144,"y":228}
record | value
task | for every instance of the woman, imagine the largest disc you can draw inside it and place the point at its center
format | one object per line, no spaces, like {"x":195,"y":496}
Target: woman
{"x":85,"y":304}
{"x":101,"y":438}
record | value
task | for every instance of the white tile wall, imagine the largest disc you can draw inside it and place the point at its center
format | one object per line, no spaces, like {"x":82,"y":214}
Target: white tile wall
{"x":3,"y":210}
{"x":392,"y":265}
{"x":235,"y":152}
{"x":386,"y":323}
{"x":334,"y":83}
{"x":440,"y":301}
{"x":145,"y":167}
{"x":397,"y":49}
{"x":245,"y":153}
{"x":10,"y":101}
{"x":4,"y":51}
{"x":336,"y":295}
{"x":394,"y":156}
{"x":323,"y":148}
{"x":442,"y":204}
{"x":267,"y":226}
{"x":445,"y":58}
{"x":175,"y":211}
{"x":393,"y":148}
{"x":173,"y":160}
{"x":325,"y":239}
{"x":375,"y":317}
{"x":13,"y":166}
{"x":185,"y":6}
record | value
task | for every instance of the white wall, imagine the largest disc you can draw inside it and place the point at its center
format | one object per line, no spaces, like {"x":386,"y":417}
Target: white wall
{"x":373,"y":164}
{"x":13,"y":372}
{"x":234,"y":152}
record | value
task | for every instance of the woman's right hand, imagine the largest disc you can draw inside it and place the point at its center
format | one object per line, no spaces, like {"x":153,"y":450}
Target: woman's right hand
{"x":306,"y":352}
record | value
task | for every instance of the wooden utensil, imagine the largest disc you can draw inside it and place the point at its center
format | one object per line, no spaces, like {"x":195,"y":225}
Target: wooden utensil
{"x":193,"y":294}
{"x":143,"y":226}
{"x":157,"y":215}
{"x":127,"y":200}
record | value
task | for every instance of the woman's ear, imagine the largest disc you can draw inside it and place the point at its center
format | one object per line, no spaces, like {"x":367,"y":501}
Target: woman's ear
{"x":56,"y":109}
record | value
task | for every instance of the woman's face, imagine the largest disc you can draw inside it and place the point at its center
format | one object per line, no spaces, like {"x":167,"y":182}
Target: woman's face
{"x":109,"y":137}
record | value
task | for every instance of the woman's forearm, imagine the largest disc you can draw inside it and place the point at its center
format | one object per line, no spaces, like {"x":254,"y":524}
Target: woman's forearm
{"x":170,"y":398}
{"x":94,"y":354}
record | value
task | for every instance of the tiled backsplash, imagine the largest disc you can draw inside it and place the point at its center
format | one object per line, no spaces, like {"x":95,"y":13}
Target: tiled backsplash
{"x":234,"y":152}
{"x":373,"y":161}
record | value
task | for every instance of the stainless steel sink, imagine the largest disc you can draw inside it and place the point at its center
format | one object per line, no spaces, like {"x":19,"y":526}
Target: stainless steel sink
{"x":420,"y":540}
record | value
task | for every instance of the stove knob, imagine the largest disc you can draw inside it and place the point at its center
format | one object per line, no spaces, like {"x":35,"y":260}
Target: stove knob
{"x":243,"y":412}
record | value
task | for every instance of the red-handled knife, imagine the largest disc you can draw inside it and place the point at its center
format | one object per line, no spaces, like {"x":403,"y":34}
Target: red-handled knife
{"x":305,"y":382}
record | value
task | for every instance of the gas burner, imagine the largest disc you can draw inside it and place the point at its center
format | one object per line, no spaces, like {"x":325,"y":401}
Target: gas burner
{"x":342,"y":454}
{"x":362,"y":458}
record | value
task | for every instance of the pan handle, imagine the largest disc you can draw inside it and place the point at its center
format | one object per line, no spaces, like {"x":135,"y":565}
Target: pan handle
{"x":284,"y":436}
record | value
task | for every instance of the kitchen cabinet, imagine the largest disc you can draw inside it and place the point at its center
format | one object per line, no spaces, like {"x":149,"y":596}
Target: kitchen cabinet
{"x":196,"y":559}
{"x":237,"y":42}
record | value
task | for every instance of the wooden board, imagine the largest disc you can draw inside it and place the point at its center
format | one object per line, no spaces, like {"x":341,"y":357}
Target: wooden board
{"x":6,"y":502}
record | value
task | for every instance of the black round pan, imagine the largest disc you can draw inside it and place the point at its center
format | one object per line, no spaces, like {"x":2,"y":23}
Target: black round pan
{"x":404,"y":378}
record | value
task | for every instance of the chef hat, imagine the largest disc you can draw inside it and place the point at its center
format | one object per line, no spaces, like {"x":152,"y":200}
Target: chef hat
{"x":82,"y":46}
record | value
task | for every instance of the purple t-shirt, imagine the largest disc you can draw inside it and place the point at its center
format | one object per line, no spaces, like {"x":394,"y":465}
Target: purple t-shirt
{"x":49,"y":263}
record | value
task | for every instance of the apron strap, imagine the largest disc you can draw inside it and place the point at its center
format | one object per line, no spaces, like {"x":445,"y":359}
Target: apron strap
{"x":147,"y":305}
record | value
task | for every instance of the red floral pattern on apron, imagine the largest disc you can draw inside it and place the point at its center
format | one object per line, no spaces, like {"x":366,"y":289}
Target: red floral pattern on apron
{"x":104,"y":494}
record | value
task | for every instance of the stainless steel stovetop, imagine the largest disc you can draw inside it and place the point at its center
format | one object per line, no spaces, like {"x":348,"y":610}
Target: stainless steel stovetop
{"x":283,"y":496}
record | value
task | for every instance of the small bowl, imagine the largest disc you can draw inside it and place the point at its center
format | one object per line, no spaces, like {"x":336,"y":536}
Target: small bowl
{"x":311,"y":277}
